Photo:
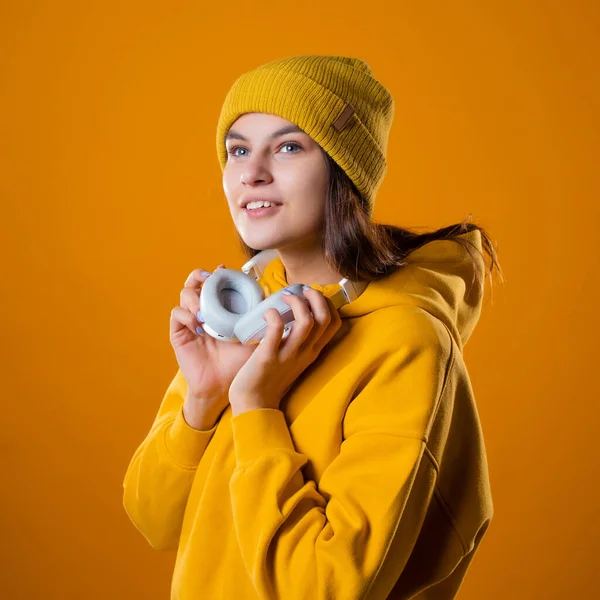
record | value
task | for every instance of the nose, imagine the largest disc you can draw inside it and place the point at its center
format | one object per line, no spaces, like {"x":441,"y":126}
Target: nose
{"x":255,"y":171}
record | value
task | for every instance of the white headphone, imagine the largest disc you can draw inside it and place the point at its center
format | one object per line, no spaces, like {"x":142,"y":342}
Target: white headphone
{"x":233,"y":304}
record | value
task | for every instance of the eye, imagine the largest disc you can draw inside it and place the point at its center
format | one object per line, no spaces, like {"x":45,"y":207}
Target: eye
{"x":294,"y":144}
{"x":232,"y":151}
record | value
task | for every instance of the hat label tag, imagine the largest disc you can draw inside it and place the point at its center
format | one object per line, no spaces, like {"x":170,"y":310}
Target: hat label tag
{"x":343,"y":120}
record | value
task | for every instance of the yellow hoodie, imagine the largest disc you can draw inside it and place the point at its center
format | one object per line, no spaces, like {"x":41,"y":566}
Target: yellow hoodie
{"x":370,"y":481}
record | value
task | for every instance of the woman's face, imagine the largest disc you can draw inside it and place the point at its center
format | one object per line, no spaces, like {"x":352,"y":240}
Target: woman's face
{"x":289,"y":168}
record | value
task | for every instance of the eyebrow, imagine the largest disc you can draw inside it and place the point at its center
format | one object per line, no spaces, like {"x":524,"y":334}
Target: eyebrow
{"x":234,"y":135}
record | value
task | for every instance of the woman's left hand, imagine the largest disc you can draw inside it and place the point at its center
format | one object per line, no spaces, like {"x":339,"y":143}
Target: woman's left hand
{"x":276,"y":363}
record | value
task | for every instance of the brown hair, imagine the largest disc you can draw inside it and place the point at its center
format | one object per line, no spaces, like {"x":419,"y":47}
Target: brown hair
{"x":363,"y":250}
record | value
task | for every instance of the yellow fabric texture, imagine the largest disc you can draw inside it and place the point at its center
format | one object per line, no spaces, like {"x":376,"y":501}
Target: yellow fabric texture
{"x":336,"y":100}
{"x":370,"y":481}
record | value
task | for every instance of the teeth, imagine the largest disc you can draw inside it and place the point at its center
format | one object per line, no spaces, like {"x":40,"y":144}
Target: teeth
{"x":258,"y":204}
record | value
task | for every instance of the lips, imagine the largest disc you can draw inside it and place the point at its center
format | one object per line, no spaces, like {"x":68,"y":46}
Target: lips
{"x":245,"y":203}
{"x":262,"y":212}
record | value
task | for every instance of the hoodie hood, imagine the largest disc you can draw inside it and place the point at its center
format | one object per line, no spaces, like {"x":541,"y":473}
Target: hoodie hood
{"x":438,"y":277}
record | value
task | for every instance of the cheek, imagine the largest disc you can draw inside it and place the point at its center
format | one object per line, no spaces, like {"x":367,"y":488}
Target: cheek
{"x":307,"y":182}
{"x":227,"y":182}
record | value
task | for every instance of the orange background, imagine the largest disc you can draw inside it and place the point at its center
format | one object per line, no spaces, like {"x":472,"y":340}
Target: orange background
{"x":111,"y":194}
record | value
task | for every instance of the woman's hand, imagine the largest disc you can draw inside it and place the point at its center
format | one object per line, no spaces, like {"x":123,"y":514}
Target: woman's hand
{"x":276,"y":363}
{"x":208,"y":365}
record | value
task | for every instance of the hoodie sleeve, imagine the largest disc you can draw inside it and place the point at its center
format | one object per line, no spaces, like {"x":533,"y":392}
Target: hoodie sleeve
{"x":299,"y":540}
{"x":160,"y":474}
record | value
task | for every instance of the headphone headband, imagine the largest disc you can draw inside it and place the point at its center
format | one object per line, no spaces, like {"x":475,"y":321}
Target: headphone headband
{"x":350,"y":290}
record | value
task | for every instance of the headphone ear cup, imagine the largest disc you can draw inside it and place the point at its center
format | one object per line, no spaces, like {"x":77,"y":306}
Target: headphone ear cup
{"x":225,"y":297}
{"x":252,"y":327}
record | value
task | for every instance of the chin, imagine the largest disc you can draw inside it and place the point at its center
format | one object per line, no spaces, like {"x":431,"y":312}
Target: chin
{"x":262,"y":244}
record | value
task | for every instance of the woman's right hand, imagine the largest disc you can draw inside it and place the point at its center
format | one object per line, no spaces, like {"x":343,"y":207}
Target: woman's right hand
{"x":208,"y":365}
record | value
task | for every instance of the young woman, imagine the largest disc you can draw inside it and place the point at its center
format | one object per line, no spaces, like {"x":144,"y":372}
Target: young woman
{"x":345,"y":460}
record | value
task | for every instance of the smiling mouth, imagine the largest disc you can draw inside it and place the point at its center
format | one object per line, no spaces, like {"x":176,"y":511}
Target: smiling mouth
{"x":255,"y":213}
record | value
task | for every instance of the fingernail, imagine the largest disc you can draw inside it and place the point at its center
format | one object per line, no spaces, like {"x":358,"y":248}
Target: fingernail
{"x":306,"y":287}
{"x":205,"y":273}
{"x":199,"y":331}
{"x":199,"y":317}
{"x":287,"y":292}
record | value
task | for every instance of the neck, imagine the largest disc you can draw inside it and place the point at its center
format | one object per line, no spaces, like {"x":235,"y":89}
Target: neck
{"x":308,"y":268}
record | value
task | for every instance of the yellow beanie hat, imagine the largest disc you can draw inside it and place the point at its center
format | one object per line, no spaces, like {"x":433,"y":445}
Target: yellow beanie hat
{"x":335,"y":100}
